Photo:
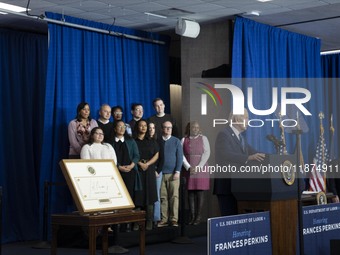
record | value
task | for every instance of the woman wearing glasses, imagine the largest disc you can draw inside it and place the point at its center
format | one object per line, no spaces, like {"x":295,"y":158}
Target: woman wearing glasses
{"x":96,"y":148}
{"x":117,"y":113}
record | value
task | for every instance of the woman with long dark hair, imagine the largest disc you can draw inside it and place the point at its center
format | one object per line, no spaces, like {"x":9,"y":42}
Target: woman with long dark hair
{"x":79,"y":129}
{"x":157,"y":205}
{"x":148,"y":151}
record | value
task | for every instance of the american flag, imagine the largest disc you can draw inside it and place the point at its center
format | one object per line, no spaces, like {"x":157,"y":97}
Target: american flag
{"x":317,"y":180}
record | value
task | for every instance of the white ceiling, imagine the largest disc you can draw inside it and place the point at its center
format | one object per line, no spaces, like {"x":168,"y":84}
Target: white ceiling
{"x":311,"y":17}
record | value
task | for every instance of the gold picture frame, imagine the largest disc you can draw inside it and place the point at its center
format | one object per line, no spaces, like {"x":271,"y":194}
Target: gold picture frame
{"x":96,"y":185}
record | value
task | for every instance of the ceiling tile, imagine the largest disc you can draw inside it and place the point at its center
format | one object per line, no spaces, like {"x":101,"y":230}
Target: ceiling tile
{"x":89,"y":5}
{"x":178,"y":3}
{"x":258,"y":6}
{"x":202,"y":7}
{"x":93,"y":16}
{"x":120,"y":3}
{"x":292,"y":2}
{"x":306,"y":5}
{"x":332,"y":1}
{"x":233,"y":3}
{"x":274,"y":11}
{"x":147,"y":7}
{"x":115,"y":11}
{"x":222,"y":12}
{"x":69,"y":11}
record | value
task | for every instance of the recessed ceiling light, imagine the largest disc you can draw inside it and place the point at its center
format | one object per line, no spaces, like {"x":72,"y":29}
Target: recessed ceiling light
{"x":263,"y":1}
{"x":255,"y":13}
{"x":11,"y":7}
{"x":251,"y":13}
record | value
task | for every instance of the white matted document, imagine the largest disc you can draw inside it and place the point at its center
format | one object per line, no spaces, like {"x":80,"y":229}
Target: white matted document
{"x":96,"y":185}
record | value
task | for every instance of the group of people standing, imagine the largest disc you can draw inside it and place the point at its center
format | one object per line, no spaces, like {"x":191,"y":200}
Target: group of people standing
{"x":148,"y":155}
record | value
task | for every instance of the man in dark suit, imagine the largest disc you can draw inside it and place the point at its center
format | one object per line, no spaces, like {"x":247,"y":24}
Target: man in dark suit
{"x":231,"y":149}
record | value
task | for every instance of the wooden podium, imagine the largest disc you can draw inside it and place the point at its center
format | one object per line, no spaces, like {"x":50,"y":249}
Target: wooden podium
{"x":271,"y":193}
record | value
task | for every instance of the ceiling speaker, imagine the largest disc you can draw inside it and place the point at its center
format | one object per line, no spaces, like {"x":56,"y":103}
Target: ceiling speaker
{"x":187,"y":28}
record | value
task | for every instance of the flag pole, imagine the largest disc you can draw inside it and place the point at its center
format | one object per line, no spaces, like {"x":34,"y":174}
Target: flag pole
{"x":299,"y":158}
{"x":322,"y":131}
{"x":283,"y":147}
{"x":331,"y":148}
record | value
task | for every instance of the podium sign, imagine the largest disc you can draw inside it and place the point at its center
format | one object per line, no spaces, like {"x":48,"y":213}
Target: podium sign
{"x":321,"y":224}
{"x":240,"y":234}
{"x":272,"y":192}
{"x":96,"y":185}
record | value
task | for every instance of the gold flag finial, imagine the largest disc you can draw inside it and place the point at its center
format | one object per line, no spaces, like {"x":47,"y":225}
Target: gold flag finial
{"x":332,"y":127}
{"x":321,"y":117}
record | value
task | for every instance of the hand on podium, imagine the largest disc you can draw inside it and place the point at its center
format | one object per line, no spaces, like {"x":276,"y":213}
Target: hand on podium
{"x":257,"y":157}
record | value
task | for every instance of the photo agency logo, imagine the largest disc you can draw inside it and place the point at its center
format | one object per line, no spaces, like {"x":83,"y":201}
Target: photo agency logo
{"x":215,"y":93}
{"x":208,"y":91}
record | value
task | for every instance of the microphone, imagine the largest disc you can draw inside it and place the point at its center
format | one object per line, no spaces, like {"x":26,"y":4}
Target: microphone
{"x":274,"y":140}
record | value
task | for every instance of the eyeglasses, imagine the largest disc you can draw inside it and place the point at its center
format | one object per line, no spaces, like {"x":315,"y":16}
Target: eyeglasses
{"x":121,"y":127}
{"x":167,"y":127}
{"x":98,"y":133}
{"x":118,"y":113}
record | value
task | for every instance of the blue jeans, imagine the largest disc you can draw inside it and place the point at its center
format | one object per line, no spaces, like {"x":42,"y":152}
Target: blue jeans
{"x":157,"y":205}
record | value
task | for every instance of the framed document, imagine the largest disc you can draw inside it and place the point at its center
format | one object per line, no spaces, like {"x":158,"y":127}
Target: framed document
{"x":95,"y":185}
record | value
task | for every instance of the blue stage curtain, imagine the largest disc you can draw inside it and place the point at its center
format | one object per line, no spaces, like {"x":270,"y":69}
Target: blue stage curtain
{"x":263,"y":51}
{"x":23,"y":61}
{"x":331,"y":71}
{"x":97,"y":68}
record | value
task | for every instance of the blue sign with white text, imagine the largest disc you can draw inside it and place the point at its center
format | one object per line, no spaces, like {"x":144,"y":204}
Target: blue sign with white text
{"x":321,"y":223}
{"x":240,"y":234}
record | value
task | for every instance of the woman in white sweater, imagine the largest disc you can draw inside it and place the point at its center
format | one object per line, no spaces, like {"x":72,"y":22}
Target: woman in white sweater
{"x":96,"y":148}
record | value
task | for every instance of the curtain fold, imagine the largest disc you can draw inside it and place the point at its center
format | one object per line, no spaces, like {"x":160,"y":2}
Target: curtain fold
{"x":331,"y":73}
{"x":96,"y":68}
{"x":266,"y":53}
{"x":23,"y":58}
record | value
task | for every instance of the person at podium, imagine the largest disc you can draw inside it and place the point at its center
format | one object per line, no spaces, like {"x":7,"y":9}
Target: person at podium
{"x":232,"y":149}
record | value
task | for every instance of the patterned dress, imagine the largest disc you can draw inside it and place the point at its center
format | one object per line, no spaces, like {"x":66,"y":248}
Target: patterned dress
{"x":78,"y":135}
{"x":193,"y":149}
